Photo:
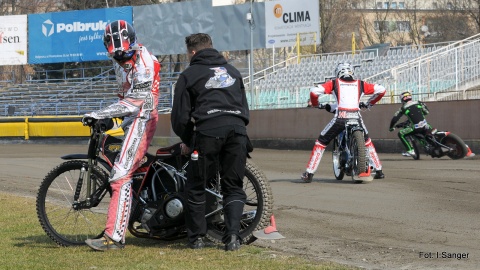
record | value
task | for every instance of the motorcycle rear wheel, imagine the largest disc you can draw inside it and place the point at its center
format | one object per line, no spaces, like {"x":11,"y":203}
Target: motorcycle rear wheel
{"x":359,"y":156}
{"x":65,"y":224}
{"x":457,"y":144}
{"x":257,"y":209}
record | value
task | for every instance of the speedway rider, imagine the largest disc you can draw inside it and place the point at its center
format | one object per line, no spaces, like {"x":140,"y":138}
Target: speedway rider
{"x":347,"y":92}
{"x":415,"y":112}
{"x":138,"y":76}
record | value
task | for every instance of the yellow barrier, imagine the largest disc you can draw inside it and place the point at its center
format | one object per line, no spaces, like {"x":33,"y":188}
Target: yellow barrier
{"x":27,"y":135}
{"x":12,"y":129}
{"x":43,"y":127}
{"x":57,"y":129}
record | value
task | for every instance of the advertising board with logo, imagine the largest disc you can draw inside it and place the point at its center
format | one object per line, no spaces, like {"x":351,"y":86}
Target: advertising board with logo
{"x":72,"y":36}
{"x":284,"y":19}
{"x":13,"y":40}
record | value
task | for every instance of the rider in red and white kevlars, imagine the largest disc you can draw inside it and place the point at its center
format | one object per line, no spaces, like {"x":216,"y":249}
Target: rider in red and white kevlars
{"x":347,"y":92}
{"x":138,"y":75}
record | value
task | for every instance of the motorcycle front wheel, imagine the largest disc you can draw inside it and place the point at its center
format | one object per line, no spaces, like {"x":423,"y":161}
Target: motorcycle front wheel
{"x":414,"y":145}
{"x":66,"y":221}
{"x":257,"y":209}
{"x":459,"y":149}
{"x":337,"y":167}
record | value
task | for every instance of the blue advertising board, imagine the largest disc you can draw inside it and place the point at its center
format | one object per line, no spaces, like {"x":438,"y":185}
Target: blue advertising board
{"x":72,"y":36}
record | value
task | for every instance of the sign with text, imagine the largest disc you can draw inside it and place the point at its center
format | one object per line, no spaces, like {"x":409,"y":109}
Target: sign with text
{"x":13,"y":40}
{"x":284,"y":19}
{"x":72,"y":36}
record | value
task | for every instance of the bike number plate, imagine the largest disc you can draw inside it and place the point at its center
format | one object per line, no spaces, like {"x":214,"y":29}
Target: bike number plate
{"x":352,"y":122}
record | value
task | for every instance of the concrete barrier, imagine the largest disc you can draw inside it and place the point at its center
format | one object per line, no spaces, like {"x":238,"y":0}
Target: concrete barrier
{"x":295,"y":128}
{"x":298,"y":128}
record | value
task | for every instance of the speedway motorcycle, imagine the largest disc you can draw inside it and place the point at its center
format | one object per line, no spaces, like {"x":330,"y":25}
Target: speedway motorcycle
{"x":436,"y":144}
{"x":349,"y":155}
{"x":73,"y":198}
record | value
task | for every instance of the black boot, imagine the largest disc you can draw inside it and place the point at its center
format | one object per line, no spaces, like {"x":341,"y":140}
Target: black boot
{"x":379,"y":175}
{"x":198,"y":244}
{"x":233,"y":244}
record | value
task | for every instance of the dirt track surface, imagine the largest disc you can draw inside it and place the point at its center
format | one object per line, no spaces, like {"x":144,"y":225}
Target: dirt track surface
{"x":421,"y":212}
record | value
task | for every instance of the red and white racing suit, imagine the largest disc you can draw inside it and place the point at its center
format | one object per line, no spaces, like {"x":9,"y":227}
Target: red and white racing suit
{"x":139,"y":80}
{"x":347,"y":94}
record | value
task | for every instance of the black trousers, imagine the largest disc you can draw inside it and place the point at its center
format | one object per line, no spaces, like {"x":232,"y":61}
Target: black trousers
{"x":227,"y":154}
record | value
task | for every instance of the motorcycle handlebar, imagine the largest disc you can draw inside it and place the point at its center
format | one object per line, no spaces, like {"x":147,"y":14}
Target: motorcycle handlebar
{"x":363,"y":105}
{"x":402,"y":124}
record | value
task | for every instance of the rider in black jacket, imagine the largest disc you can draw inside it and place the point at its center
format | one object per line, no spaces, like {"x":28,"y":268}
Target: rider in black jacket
{"x":415,"y":112}
{"x":210,"y":114}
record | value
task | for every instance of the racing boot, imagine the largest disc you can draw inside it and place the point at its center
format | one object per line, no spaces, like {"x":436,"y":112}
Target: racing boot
{"x":233,"y":244}
{"x":307,"y":177}
{"x":315,"y":157}
{"x":198,"y":244}
{"x":469,"y":152}
{"x":104,"y":243}
{"x":374,"y":160}
{"x":379,"y":175}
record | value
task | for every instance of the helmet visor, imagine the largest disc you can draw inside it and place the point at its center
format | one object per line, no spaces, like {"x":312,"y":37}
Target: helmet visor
{"x":404,"y":97}
{"x":117,"y":40}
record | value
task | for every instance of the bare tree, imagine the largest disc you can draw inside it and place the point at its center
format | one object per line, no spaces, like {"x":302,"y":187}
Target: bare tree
{"x":90,"y":4}
{"x":17,"y":7}
{"x":449,"y":22}
{"x":337,"y":22}
{"x":472,"y":10}
{"x":375,"y":23}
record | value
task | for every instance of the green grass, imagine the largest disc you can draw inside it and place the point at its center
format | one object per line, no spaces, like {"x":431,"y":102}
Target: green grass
{"x":24,"y":245}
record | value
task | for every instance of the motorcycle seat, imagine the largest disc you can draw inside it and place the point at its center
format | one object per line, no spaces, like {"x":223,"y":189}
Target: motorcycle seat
{"x":169,"y":151}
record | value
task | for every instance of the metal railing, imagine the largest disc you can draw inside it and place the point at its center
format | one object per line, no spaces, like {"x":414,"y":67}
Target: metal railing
{"x":65,"y":75}
{"x":7,"y":77}
{"x":449,"y":70}
{"x":72,"y":98}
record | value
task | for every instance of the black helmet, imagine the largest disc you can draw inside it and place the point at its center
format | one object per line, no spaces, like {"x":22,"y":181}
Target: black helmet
{"x":118,"y":38}
{"x":405,"y":97}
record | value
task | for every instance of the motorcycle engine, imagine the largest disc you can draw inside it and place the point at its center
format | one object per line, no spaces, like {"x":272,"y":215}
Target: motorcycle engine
{"x":173,"y":208}
{"x":166,"y":212}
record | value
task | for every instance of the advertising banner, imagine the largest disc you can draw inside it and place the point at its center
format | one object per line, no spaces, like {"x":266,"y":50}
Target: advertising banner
{"x":284,"y":19}
{"x":71,"y":36}
{"x":162,"y":28}
{"x":13,"y":40}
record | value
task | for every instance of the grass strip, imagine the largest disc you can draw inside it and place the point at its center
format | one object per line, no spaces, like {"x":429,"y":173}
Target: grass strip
{"x":24,"y":245}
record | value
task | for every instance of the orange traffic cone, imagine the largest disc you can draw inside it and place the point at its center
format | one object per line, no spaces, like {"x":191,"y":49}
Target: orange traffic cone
{"x":273,"y":227}
{"x":269,"y":232}
{"x":469,"y":152}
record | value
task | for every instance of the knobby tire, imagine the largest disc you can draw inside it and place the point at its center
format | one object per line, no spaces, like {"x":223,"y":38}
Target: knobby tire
{"x":337,"y":171}
{"x":359,"y":152}
{"x":259,"y":199}
{"x":54,"y":204}
{"x":459,"y":148}
{"x":414,"y":145}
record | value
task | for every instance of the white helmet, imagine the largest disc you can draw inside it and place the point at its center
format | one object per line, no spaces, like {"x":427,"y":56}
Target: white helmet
{"x":344,"y":71}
